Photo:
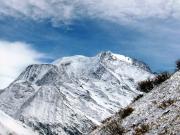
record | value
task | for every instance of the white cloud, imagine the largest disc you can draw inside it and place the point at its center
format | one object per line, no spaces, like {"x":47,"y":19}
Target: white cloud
{"x":14,"y":57}
{"x":112,"y":10}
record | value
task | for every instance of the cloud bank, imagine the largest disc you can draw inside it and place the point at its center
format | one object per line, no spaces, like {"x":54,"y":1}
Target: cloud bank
{"x":113,"y":10}
{"x":14,"y":57}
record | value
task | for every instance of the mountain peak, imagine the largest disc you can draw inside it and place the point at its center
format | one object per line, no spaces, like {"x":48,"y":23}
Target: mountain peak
{"x":112,"y":56}
{"x":83,"y":89}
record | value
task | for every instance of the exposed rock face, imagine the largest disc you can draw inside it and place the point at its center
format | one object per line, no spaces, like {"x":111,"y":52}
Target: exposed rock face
{"x":157,"y":113}
{"x":74,"y":94}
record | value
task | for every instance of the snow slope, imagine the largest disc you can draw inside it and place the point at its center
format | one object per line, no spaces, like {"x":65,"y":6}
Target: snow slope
{"x":73,"y":94}
{"x":157,"y":113}
{"x":9,"y":126}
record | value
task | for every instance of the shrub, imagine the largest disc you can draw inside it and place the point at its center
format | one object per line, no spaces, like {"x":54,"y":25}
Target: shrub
{"x":142,"y":129}
{"x":126,"y":112}
{"x":106,"y":120}
{"x":113,"y":128}
{"x":166,"y":104}
{"x":148,"y":85}
{"x":138,"y":97}
{"x":161,"y":78}
{"x":178,"y":64}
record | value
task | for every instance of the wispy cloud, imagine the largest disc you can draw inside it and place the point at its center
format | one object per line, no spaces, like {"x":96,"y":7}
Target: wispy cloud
{"x":14,"y":57}
{"x":113,"y":10}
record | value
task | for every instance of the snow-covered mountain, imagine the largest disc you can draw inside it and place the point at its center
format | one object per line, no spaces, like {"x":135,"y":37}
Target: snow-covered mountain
{"x":157,"y":113}
{"x":73,"y":94}
{"x":9,"y":126}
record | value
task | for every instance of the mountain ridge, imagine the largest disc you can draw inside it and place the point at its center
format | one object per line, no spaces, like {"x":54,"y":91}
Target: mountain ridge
{"x":73,"y":94}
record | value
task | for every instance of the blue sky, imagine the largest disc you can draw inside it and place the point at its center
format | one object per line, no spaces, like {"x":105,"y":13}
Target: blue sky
{"x":154,"y":45}
{"x":148,"y":31}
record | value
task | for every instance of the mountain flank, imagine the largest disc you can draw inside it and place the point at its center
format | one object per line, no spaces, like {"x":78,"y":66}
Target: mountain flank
{"x":157,"y":113}
{"x":73,"y":95}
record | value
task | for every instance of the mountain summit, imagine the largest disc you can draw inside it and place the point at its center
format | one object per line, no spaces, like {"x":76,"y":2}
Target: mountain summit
{"x":73,"y":94}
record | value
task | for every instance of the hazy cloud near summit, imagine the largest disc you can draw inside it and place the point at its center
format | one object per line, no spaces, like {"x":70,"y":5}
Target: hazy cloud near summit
{"x":113,"y":10}
{"x":14,"y":57}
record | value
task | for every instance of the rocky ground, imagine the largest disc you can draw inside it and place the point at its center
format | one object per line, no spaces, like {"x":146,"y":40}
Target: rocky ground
{"x":157,"y":113}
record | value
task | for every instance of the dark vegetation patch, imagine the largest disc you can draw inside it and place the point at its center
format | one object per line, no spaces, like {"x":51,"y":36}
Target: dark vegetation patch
{"x":141,"y":129}
{"x":123,"y":113}
{"x":126,"y":112}
{"x":149,"y":84}
{"x":178,"y":64}
{"x":161,"y":78}
{"x":106,"y":120}
{"x":145,"y":86}
{"x":113,"y":128}
{"x":163,"y":105}
{"x":138,"y":97}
